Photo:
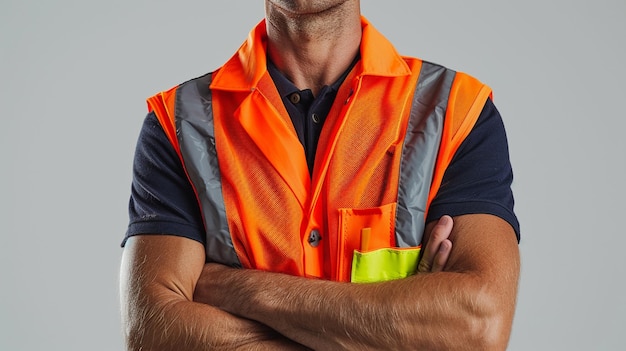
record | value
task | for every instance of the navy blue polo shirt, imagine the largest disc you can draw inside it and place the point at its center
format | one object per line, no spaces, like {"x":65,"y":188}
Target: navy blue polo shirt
{"x":162,"y":201}
{"x":307,"y":112}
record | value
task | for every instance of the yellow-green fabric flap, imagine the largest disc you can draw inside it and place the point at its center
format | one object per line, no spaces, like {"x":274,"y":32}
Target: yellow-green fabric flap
{"x":384,"y":264}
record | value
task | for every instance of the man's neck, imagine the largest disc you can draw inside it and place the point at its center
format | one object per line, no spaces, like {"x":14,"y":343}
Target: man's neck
{"x":314,"y":50}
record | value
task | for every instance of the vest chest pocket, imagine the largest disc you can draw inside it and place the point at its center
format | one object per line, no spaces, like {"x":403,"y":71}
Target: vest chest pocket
{"x":366,"y":247}
{"x":384,"y":264}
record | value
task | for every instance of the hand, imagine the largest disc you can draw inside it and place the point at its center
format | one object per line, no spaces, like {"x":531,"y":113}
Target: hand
{"x":434,"y":259}
{"x":438,"y":247}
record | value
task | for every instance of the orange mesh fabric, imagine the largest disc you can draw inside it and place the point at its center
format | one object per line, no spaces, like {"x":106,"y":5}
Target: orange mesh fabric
{"x":162,"y":105}
{"x":272,"y":205}
{"x":363,"y":166}
{"x":264,"y":213}
{"x":467,"y":98}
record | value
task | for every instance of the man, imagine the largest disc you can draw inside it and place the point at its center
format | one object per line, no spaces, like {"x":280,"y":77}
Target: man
{"x":307,"y":159}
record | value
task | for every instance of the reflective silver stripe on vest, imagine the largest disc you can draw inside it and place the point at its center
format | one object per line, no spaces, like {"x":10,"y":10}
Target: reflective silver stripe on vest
{"x":196,"y":137}
{"x":419,"y":153}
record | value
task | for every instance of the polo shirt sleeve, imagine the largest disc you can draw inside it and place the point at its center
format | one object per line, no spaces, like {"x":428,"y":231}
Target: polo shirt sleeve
{"x":162,"y":200}
{"x":479,"y":178}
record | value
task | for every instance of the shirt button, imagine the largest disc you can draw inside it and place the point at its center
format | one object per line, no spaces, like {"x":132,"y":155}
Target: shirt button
{"x":314,"y":238}
{"x":315,"y":118}
{"x":294,"y":98}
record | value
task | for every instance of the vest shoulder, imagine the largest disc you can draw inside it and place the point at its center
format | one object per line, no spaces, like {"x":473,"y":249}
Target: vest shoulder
{"x":465,"y":90}
{"x":172,"y":90}
{"x":466,"y":100}
{"x":416,"y":62}
{"x":466,"y":82}
{"x":205,"y":78}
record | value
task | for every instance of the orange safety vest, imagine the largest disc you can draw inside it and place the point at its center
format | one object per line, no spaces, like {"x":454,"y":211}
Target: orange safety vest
{"x":392,"y":131}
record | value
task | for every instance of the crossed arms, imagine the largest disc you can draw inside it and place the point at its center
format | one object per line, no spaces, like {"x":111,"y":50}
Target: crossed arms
{"x":463,"y":298}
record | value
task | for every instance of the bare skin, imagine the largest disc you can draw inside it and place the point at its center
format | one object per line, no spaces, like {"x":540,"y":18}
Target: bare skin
{"x":313,"y":42}
{"x":159,"y":275}
{"x":468,"y":306}
{"x":463,"y":298}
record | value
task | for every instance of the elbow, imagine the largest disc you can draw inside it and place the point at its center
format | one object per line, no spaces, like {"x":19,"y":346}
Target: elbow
{"x":145,"y":326}
{"x":133,"y":335}
{"x":134,"y":330}
{"x":134,"y":312}
{"x":490,"y":333}
{"x":147,"y":332}
{"x":133,"y":339}
{"x":489,"y":321}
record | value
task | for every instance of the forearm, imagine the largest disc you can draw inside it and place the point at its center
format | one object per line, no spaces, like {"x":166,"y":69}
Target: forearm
{"x":172,"y":324}
{"x":330,"y":315}
{"x":156,"y":285}
{"x":470,"y":306}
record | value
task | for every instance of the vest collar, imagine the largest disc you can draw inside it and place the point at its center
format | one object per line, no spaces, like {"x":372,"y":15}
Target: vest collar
{"x":246,"y":68}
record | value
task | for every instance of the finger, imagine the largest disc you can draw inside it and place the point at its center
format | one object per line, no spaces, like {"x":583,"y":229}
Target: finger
{"x":440,"y":232}
{"x":441,"y":258}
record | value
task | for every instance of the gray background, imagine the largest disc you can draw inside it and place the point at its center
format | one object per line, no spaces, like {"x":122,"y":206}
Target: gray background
{"x":74,"y":76}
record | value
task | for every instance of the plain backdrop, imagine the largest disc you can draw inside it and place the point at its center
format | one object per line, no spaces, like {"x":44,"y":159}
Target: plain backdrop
{"x":74,"y":76}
